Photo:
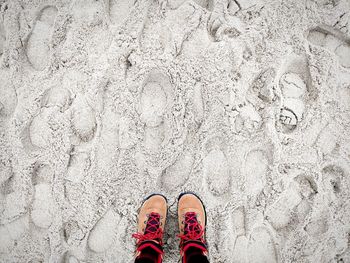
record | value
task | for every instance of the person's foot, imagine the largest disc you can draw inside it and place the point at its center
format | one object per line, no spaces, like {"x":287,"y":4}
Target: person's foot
{"x":151,"y":221}
{"x":192,"y":223}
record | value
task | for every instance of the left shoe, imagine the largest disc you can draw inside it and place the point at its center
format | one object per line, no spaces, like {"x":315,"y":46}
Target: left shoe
{"x":151,"y":222}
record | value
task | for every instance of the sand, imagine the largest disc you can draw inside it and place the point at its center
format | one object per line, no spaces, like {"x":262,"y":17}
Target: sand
{"x":246,"y":103}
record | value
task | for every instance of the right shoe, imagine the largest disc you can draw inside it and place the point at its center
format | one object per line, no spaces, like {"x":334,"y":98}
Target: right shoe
{"x":192,"y":222}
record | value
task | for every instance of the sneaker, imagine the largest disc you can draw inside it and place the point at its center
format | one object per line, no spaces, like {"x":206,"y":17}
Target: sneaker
{"x":192,"y":223}
{"x":149,"y":236}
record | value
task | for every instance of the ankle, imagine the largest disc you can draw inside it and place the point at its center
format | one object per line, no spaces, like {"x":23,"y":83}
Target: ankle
{"x":148,"y":255}
{"x":149,"y":252}
{"x":195,"y":255}
{"x":194,"y":252}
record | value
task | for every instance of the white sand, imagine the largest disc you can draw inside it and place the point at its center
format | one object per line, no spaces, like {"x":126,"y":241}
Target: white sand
{"x":246,"y":103}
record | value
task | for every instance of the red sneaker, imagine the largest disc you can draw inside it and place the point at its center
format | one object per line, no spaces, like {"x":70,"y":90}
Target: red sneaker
{"x":151,"y":221}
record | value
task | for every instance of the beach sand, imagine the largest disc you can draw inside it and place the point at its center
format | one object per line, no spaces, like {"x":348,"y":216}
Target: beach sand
{"x":246,"y":103}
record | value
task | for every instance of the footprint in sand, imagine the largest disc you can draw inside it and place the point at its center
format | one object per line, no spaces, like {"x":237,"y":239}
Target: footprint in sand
{"x":177,"y":174}
{"x":231,"y":232}
{"x":83,"y":127}
{"x":220,"y":24}
{"x":343,"y":23}
{"x":261,"y":246}
{"x":217,"y":173}
{"x":38,"y":45}
{"x":73,"y":233}
{"x":42,"y":212}
{"x":14,"y":202}
{"x":126,"y":132}
{"x":119,"y":10}
{"x":88,"y":12}
{"x":79,"y":163}
{"x":59,"y":98}
{"x":262,"y":88}
{"x":154,"y":137}
{"x":83,"y":119}
{"x":154,"y":102}
{"x":335,"y":181}
{"x":108,"y":146}
{"x":318,"y":224}
{"x":11,"y":233}
{"x":247,"y":121}
{"x":40,"y":133}
{"x":255,"y":170}
{"x":5,"y":175}
{"x":294,"y":86}
{"x":299,"y":193}
{"x":198,"y":104}
{"x":8,"y":96}
{"x":174,"y":4}
{"x":280,"y":212}
{"x":68,"y":258}
{"x":2,"y":38}
{"x":104,"y":234}
{"x":332,"y":40}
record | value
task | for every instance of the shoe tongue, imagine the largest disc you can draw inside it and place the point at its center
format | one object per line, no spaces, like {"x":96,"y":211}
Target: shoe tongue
{"x":153,"y":223}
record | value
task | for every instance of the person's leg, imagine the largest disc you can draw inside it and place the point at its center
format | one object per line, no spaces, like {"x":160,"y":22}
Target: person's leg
{"x":192,"y":223}
{"x":148,"y":255}
{"x":151,"y":221}
{"x":195,"y":255}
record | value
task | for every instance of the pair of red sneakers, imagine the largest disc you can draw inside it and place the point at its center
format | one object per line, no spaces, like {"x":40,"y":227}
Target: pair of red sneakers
{"x":192,"y":223}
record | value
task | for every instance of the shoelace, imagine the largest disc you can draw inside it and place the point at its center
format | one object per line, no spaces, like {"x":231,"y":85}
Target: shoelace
{"x":152,"y":230}
{"x":192,"y":229}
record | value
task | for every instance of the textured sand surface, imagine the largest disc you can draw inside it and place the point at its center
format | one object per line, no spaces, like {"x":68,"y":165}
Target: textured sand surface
{"x":246,"y":102}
